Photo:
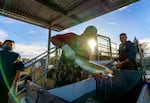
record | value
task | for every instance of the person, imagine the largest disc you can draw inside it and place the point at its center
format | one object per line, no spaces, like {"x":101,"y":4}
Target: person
{"x":10,"y":68}
{"x":73,"y":44}
{"x":127,"y":54}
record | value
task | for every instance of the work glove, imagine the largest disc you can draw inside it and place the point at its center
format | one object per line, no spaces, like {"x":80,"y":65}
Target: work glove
{"x":116,"y":59}
{"x":68,"y":52}
{"x":119,"y":65}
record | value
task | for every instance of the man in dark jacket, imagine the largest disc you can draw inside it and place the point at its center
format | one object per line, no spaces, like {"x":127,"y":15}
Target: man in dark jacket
{"x":127,"y":54}
{"x":10,"y":68}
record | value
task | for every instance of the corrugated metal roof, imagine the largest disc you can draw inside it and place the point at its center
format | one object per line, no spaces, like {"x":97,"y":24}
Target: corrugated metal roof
{"x":58,"y":14}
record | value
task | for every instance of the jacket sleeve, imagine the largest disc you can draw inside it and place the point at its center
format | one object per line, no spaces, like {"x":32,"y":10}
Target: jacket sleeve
{"x":18,"y":63}
{"x":131,"y":51}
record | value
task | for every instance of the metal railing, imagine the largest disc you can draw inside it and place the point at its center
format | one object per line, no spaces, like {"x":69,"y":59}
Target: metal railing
{"x":31,"y":63}
{"x":106,"y":48}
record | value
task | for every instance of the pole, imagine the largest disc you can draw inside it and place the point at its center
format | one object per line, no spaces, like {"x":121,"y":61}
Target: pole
{"x":48,"y":57}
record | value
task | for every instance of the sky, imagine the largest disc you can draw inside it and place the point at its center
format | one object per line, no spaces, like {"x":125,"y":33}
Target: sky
{"x":31,"y":40}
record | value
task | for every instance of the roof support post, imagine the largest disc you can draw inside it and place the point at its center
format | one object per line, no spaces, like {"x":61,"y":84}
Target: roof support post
{"x":48,"y":56}
{"x":49,"y":35}
{"x":110,"y":49}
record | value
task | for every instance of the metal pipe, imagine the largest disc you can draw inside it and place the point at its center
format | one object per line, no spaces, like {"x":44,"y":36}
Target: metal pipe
{"x":48,"y":57}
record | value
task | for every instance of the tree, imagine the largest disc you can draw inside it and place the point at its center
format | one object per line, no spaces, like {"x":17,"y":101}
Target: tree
{"x":141,"y":47}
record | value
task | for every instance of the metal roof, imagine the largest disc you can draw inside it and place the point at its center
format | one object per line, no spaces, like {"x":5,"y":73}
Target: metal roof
{"x":58,"y":14}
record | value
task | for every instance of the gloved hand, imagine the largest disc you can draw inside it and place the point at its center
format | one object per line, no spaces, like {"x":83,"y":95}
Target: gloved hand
{"x":68,"y":52}
{"x":116,"y":59}
{"x":119,"y":65}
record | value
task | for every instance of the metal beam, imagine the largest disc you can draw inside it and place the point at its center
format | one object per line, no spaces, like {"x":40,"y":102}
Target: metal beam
{"x":54,"y":6}
{"x":22,"y":17}
{"x":58,"y":9}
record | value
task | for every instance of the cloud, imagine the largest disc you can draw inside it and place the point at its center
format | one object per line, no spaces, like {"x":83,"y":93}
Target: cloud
{"x":65,"y":31}
{"x":3,"y":34}
{"x":43,"y":31}
{"x":31,"y":32}
{"x":123,"y":8}
{"x":30,"y":51}
{"x":8,"y":20}
{"x":146,"y":41}
{"x":113,"y":23}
